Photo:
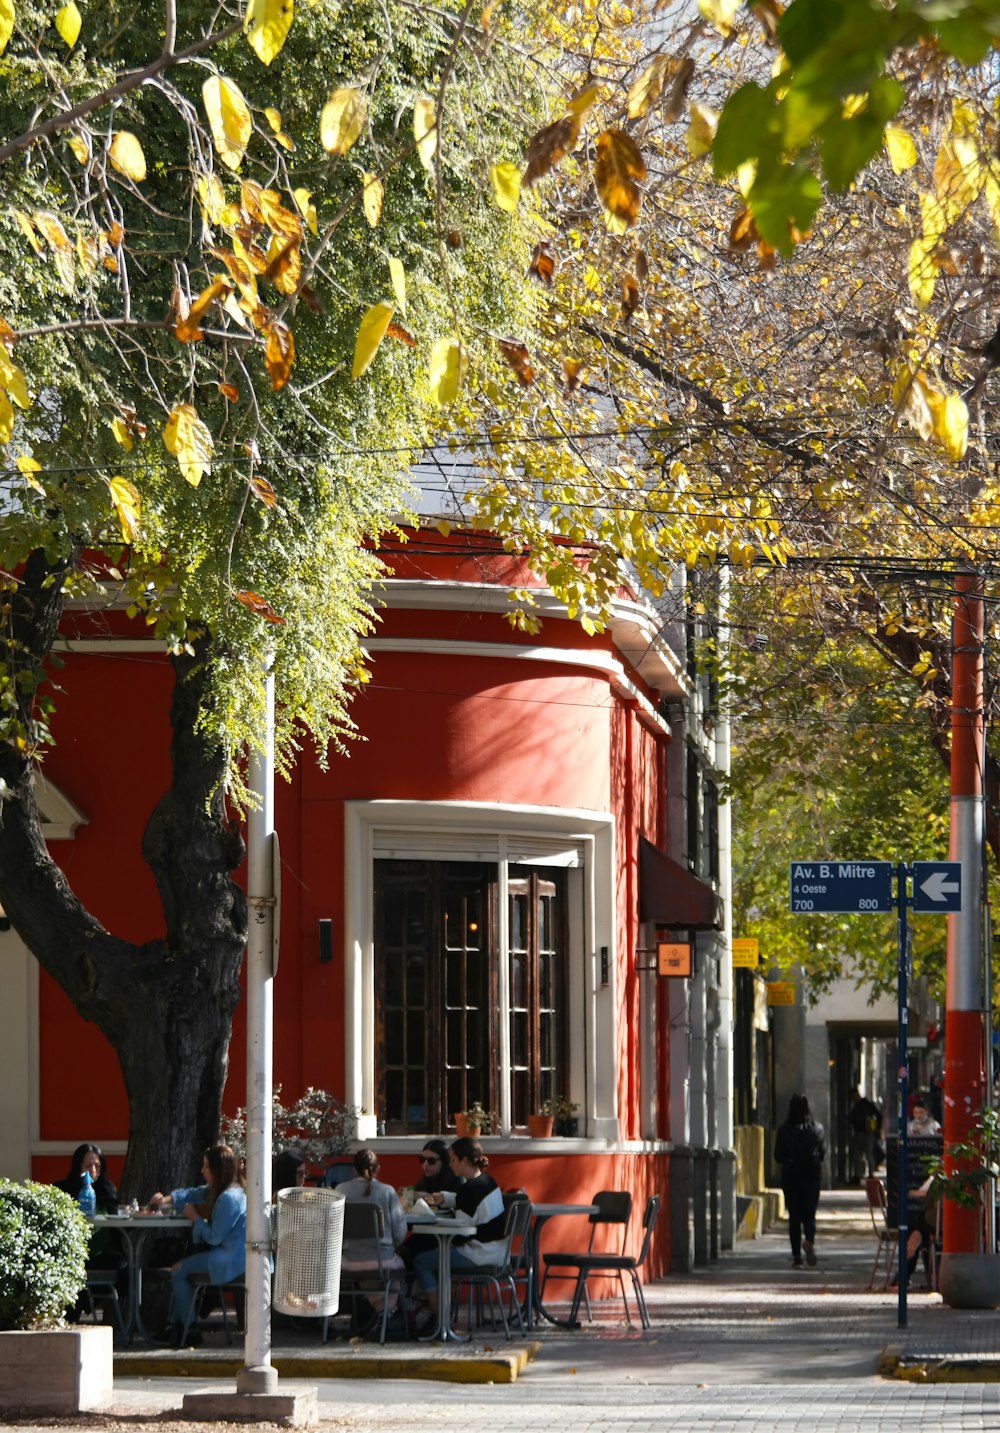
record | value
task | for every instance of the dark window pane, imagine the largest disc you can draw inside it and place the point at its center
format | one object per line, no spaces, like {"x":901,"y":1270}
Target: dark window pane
{"x":395,"y":1050}
{"x":394,"y":1095}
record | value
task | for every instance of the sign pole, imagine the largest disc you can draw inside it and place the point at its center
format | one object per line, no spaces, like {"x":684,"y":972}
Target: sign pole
{"x":902,"y":1097}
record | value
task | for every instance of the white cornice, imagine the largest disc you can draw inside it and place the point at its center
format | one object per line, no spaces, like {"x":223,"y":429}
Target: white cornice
{"x":633,"y":626}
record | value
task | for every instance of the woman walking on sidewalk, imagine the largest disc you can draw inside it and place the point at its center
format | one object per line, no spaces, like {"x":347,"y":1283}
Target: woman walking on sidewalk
{"x":800,"y":1148}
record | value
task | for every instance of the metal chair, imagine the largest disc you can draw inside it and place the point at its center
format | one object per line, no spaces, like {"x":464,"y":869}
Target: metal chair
{"x":102,"y":1284}
{"x":232,"y":1288}
{"x":614,"y":1206}
{"x":491,"y":1276}
{"x":363,"y":1233}
{"x":620,"y":1264}
{"x":887,"y":1239}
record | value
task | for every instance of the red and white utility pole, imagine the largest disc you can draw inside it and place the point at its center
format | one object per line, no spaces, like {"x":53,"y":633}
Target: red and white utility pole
{"x":964,"y":1078}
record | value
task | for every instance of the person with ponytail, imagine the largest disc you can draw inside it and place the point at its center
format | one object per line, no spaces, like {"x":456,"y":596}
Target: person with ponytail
{"x":478,"y":1199}
{"x":366,"y":1186}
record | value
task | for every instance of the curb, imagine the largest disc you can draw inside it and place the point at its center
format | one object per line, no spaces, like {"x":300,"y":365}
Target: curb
{"x":475,"y":1368}
{"x":894,"y":1362}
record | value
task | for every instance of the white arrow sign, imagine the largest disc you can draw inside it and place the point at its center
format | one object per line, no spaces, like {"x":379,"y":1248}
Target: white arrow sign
{"x":937,"y":886}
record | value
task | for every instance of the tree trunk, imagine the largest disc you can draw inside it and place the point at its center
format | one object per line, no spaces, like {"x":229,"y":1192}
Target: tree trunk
{"x":166,"y":1006}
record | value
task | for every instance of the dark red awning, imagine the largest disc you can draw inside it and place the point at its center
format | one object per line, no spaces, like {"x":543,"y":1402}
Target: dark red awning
{"x":671,"y":896}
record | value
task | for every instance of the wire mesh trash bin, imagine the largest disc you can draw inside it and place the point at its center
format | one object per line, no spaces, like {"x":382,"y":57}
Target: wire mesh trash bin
{"x":307,"y":1264}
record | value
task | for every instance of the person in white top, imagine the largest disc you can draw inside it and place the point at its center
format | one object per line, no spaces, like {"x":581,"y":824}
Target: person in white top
{"x":921,"y":1120}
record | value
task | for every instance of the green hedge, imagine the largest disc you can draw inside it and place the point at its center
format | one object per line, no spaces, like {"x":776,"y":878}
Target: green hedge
{"x":43,"y":1254}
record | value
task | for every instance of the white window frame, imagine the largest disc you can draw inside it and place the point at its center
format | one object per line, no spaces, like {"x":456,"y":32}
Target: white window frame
{"x":504,"y":831}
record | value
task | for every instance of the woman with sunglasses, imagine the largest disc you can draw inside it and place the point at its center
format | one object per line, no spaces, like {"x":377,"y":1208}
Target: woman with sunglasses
{"x":437,"y":1177}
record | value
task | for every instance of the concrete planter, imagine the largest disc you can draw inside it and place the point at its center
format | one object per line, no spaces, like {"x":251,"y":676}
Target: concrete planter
{"x":56,"y":1370}
{"x":970,"y":1281}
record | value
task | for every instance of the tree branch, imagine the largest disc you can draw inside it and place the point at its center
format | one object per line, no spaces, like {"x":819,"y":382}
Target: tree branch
{"x":124,"y":86}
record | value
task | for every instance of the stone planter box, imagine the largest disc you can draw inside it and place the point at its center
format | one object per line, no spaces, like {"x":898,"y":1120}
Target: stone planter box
{"x":56,"y":1370}
{"x":969,"y":1281}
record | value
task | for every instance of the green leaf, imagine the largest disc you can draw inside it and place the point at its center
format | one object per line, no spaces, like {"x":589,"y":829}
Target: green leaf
{"x":745,"y":127}
{"x":965,"y":37}
{"x":784,"y":195}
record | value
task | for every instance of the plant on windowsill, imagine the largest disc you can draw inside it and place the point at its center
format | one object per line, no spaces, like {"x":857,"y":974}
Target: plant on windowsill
{"x":563,"y":1114}
{"x":44,"y":1365}
{"x":971,"y":1280}
{"x":474,"y":1121}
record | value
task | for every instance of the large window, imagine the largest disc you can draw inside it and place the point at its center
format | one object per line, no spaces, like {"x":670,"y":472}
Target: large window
{"x":447,"y":993}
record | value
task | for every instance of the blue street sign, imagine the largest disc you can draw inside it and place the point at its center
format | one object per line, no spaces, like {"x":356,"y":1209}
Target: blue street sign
{"x":841,"y":887}
{"x":937,"y":885}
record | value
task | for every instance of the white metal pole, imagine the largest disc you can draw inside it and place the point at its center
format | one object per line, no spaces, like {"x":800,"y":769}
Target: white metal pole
{"x":257,"y":1374}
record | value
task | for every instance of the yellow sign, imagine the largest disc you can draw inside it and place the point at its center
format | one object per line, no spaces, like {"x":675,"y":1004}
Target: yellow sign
{"x":781,"y":992}
{"x":745,"y":953}
{"x":673,"y":959}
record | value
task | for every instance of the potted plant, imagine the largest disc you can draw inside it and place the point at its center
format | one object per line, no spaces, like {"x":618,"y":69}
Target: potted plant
{"x":317,"y":1126}
{"x":971,"y":1280}
{"x":540,"y":1126}
{"x":563,"y":1114}
{"x":45,"y":1365}
{"x":474,"y":1121}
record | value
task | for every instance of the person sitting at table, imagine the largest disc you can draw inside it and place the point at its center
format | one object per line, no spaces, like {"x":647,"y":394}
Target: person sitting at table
{"x":480,"y":1200}
{"x":364,"y":1186}
{"x":288,"y":1171}
{"x":104,"y":1252}
{"x":218,"y":1214}
{"x":438,"y":1177}
{"x":89,"y":1159}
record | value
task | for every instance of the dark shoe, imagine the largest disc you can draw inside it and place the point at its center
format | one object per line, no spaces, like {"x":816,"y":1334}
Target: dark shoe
{"x":191,"y":1339}
{"x":797,"y":1263}
{"x":364,"y":1318}
{"x":167,"y":1336}
{"x":810,"y":1253}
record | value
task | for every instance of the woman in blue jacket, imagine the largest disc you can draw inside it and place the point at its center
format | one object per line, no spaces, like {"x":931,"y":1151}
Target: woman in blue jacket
{"x":218,"y":1212}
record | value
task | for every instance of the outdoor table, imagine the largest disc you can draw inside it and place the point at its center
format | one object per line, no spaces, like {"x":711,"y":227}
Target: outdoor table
{"x":134,"y":1230}
{"x":540,"y":1215}
{"x":444,"y":1228}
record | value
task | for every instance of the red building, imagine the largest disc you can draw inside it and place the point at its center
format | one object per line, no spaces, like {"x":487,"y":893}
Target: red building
{"x":461,"y":895}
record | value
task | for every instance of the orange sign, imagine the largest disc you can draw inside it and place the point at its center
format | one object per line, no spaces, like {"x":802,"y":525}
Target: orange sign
{"x":781,"y":992}
{"x":745,"y":953}
{"x":673,"y":959}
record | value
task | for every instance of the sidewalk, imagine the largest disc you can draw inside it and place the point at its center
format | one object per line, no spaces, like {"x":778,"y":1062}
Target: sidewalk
{"x":747,"y":1316}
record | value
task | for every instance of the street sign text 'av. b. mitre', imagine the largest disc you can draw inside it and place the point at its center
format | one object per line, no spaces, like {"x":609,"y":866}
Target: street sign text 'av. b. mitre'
{"x":841,"y":887}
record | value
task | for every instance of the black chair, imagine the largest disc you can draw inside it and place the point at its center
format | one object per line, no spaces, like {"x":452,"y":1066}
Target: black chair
{"x":363,"y":1233}
{"x":232,"y":1288}
{"x":491,"y":1276}
{"x":102,"y":1287}
{"x":337,"y":1173}
{"x":620,"y":1264}
{"x":614,"y":1206}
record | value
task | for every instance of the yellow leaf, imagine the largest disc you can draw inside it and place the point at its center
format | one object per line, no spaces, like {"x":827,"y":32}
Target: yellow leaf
{"x":307,"y":209}
{"x":6,"y":23}
{"x":186,"y":329}
{"x":443,"y":526}
{"x":958,"y":173}
{"x":951,"y":423}
{"x":126,"y":503}
{"x":619,"y":170}
{"x":273,"y":117}
{"x":701,"y":130}
{"x":647,"y":88}
{"x":68,"y":23}
{"x":900,"y":148}
{"x":267,"y":24}
{"x":446,"y":370}
{"x":58,"y":242}
{"x":211,"y":197}
{"x":190,"y":442}
{"x":342,"y":120}
{"x":505,"y":180}
{"x":28,"y":229}
{"x":425,"y":129}
{"x":922,"y":271}
{"x":720,"y":13}
{"x":371,"y":332}
{"x":125,"y":153}
{"x":581,"y":104}
{"x":78,"y":145}
{"x":398,"y":276}
{"x":229,"y":119}
{"x":371,"y":198}
{"x":6,"y":419}
{"x":279,"y":352}
{"x":121,"y":433}
{"x":28,"y":467}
